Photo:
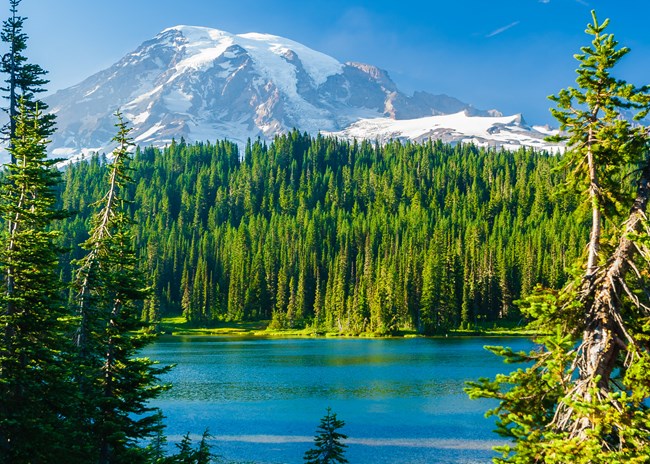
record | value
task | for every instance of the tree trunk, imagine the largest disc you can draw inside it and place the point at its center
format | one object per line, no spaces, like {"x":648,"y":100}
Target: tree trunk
{"x":594,"y":237}
{"x":605,"y":334}
{"x":106,"y":450}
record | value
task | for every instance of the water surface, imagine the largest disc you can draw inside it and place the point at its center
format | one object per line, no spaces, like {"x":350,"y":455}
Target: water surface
{"x":401,"y":399}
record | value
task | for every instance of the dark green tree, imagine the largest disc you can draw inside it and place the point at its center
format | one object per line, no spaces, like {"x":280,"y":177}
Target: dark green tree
{"x":584,"y":398}
{"x":34,"y":362}
{"x":157,"y":447}
{"x":328,"y":447}
{"x":188,"y":454}
{"x":23,"y":79}
{"x":116,"y":385}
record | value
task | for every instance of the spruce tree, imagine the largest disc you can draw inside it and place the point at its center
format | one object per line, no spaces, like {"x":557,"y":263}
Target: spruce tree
{"x":328,"y":448}
{"x":600,"y":139}
{"x":110,"y":291}
{"x":584,"y":398}
{"x":23,"y":80}
{"x":34,"y":377}
{"x":187,"y":454}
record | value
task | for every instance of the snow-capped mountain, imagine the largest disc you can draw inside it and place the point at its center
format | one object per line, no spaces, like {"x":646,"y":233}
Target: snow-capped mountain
{"x":509,"y":132}
{"x":205,"y":84}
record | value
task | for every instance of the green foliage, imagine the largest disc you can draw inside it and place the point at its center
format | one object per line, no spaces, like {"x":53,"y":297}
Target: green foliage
{"x":583,"y":395}
{"x":601,"y":139}
{"x":591,"y":114}
{"x":61,"y":401}
{"x":187,"y":454}
{"x":35,"y":397}
{"x":328,"y":448}
{"x":528,"y":396}
{"x":110,"y":287}
{"x":352,"y":237}
{"x":24,"y":80}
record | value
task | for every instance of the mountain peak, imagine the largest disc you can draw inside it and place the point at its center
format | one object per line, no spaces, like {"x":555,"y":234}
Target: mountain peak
{"x":205,"y":84}
{"x":194,"y":31}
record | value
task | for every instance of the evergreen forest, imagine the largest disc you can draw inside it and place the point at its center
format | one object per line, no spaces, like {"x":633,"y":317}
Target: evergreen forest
{"x":350,"y":237}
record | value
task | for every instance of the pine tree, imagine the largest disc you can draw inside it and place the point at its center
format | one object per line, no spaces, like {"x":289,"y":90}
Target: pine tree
{"x":115,"y":384}
{"x":328,"y":448}
{"x":204,"y":453}
{"x":584,"y":398}
{"x":428,"y":321}
{"x":157,"y":446}
{"x":34,"y":387}
{"x":24,"y":80}
{"x":601,"y":140}
{"x":187,"y":454}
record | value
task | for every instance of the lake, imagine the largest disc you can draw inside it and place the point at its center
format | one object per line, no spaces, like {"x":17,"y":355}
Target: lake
{"x":402,"y":399}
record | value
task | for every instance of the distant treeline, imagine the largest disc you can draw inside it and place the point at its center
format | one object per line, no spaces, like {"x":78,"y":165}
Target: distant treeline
{"x":355,"y":237}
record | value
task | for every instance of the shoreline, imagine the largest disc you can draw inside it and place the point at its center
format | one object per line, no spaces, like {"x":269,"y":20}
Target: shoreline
{"x":179,"y":327}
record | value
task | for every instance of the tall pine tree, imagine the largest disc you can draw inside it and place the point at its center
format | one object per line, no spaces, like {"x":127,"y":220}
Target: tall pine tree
{"x":110,"y":292}
{"x":584,"y":399}
{"x":34,"y":387}
{"x":24,"y":80}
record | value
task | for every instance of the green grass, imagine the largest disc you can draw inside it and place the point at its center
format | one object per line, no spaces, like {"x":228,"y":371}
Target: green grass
{"x":179,"y":326}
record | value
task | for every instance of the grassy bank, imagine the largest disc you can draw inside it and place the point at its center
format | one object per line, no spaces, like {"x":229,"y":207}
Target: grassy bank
{"x":180,"y":326}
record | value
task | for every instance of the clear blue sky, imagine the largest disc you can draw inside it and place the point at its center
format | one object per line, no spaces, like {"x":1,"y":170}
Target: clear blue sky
{"x":508,"y":54}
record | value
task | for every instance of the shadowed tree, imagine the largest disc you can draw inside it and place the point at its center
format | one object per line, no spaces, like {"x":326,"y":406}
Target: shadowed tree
{"x":34,"y":348}
{"x":188,"y":454}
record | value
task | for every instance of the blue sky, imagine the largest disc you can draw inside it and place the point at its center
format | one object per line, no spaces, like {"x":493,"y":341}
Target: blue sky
{"x":508,"y":54}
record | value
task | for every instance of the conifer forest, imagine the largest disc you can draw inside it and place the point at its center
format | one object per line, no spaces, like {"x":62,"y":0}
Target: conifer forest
{"x":349,"y":237}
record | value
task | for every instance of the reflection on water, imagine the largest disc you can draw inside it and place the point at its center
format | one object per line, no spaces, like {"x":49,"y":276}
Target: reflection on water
{"x":249,"y":390}
{"x":401,"y":399}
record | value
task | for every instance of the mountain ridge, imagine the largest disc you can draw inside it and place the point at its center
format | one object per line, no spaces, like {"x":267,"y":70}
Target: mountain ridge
{"x":206,"y":84}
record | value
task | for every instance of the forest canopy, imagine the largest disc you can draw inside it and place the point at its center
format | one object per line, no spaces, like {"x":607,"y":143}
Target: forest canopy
{"x":345,"y":236}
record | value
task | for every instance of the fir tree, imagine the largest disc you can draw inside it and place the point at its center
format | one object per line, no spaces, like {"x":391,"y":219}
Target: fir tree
{"x":328,"y":448}
{"x":584,"y":398}
{"x":24,"y":80}
{"x":115,"y":384}
{"x":601,"y":140}
{"x":34,"y":387}
{"x":157,"y":446}
{"x":187,"y":454}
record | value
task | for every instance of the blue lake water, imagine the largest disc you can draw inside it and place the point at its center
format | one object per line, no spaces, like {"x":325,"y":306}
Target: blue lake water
{"x":402,"y":399}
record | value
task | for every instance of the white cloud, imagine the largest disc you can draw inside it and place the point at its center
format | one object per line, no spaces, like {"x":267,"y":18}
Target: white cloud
{"x":544,"y":1}
{"x":502,"y":29}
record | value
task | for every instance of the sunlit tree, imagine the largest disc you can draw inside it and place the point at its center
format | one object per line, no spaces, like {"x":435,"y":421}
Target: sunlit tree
{"x":584,"y":396}
{"x":115,"y":383}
